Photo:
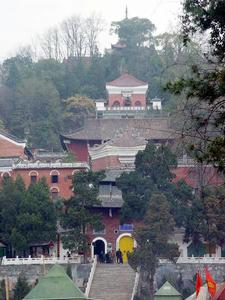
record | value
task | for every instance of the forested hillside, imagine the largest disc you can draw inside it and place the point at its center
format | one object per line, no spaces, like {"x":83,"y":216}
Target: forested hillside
{"x":36,"y":91}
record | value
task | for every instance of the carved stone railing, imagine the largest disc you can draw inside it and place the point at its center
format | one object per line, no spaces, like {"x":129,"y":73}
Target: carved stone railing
{"x":201,"y":260}
{"x":43,"y":165}
{"x":91,"y":276}
{"x":40,"y":260}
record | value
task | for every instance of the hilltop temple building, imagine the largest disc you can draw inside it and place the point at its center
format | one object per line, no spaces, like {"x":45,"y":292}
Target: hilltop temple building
{"x":124,"y":123}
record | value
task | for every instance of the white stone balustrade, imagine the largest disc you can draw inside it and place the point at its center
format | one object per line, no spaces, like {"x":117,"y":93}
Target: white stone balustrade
{"x":40,"y":260}
{"x":78,"y":259}
{"x":201,"y":260}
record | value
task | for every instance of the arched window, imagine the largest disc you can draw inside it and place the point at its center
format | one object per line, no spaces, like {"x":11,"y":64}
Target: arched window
{"x":54,"y":176}
{"x":5,"y":174}
{"x":33,"y":176}
{"x":116,"y":104}
{"x":137,"y":104}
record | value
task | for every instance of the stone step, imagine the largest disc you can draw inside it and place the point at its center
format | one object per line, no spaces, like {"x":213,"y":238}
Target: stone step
{"x":112,"y":281}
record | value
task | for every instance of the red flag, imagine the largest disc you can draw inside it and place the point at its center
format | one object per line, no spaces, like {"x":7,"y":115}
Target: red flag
{"x":210,"y":283}
{"x":198,"y":283}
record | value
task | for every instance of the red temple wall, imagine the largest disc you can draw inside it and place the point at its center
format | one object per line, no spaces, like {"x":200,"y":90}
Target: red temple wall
{"x":119,"y":98}
{"x":64,"y":178}
{"x":80,"y":150}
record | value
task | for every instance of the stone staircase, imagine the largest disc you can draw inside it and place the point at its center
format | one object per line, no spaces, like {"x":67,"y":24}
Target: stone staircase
{"x":112,"y":281}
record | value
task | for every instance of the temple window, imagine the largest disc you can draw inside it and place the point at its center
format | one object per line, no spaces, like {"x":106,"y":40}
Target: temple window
{"x":33,"y":179}
{"x":55,"y":178}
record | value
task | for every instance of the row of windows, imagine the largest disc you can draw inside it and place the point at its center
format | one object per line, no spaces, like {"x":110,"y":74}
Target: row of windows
{"x":117,"y":104}
{"x":54,"y":178}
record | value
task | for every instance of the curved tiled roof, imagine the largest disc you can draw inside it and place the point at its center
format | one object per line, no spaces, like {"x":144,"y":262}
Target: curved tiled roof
{"x":126,"y":80}
{"x":106,"y":129}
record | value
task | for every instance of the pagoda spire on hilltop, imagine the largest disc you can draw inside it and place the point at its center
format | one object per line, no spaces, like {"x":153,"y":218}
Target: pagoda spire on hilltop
{"x":126,"y":13}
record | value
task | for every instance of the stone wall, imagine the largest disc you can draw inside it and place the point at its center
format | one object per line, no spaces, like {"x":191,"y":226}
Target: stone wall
{"x":181,"y":276}
{"x":188,"y":271}
{"x":80,"y":273}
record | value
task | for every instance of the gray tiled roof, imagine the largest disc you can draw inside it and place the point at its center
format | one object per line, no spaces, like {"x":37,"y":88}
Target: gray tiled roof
{"x":105,"y":129}
{"x":126,"y":80}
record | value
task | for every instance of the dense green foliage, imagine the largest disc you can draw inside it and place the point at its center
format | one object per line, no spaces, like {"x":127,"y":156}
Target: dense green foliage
{"x":22,"y":288}
{"x":202,"y":16}
{"x":203,"y":112}
{"x":78,"y":214}
{"x":26,"y":215}
{"x":153,"y":175}
{"x":152,"y":240}
{"x":206,"y":221}
{"x":79,"y":106}
{"x":34,"y":92}
{"x":204,"y":90}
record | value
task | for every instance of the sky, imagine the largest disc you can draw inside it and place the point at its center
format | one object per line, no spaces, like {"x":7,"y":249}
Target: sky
{"x":21,"y":21}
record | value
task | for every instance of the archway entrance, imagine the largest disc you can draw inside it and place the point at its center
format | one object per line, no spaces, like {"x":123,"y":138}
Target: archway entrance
{"x":99,"y":247}
{"x":126,"y":244}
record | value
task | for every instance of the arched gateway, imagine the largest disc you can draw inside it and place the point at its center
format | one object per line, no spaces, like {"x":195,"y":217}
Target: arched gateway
{"x":125,"y":243}
{"x":99,"y":245}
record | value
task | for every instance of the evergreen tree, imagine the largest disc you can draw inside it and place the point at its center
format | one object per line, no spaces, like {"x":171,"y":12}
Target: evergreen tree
{"x":153,"y":240}
{"x":22,"y":288}
{"x":12,"y":194}
{"x":206,"y":220}
{"x":153,"y":173}
{"x":79,"y":214}
{"x":36,"y":219}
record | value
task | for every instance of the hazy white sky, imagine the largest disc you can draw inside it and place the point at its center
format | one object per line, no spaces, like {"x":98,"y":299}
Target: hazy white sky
{"x":22,"y":20}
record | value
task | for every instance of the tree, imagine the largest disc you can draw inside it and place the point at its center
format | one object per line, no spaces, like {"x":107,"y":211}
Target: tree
{"x":152,"y":174}
{"x":51,"y":44}
{"x":36,"y":219}
{"x":76,"y":108}
{"x":134,"y":32}
{"x":73,"y":35}
{"x":201,"y":16}
{"x":93,"y":27}
{"x":14,"y":69}
{"x":153,"y":240}
{"x":79,"y":214}
{"x":204,"y":89}
{"x":37,"y":113}
{"x":206,"y":221}
{"x":12,"y":194}
{"x":22,"y":288}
